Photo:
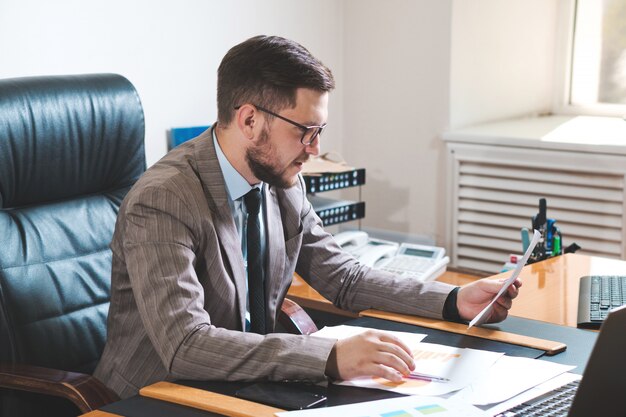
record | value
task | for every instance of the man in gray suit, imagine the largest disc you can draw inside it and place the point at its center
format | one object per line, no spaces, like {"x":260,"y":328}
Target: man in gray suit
{"x":181,"y":296}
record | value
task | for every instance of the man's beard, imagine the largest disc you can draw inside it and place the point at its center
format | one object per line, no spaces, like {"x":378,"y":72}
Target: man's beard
{"x":259,"y":160}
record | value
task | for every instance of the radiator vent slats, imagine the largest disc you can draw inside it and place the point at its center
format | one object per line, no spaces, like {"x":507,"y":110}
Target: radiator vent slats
{"x":494,"y":191}
{"x":514,"y":197}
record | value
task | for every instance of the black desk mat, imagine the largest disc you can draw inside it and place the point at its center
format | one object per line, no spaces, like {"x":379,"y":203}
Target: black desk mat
{"x":579,"y":344}
{"x":339,"y":395}
{"x":139,"y":406}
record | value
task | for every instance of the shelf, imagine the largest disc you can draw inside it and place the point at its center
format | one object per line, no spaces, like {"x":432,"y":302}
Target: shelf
{"x":333,"y":211}
{"x":334,"y":181}
{"x":337,"y":211}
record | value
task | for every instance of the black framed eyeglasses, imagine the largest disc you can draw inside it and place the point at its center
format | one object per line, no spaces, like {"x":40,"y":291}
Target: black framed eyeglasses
{"x":309,"y":133}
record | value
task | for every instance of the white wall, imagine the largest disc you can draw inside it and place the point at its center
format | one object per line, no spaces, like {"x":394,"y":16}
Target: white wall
{"x":406,"y":70}
{"x":502,"y":59}
{"x":415,"y":68}
{"x":170,"y":50}
{"x":396,"y":105}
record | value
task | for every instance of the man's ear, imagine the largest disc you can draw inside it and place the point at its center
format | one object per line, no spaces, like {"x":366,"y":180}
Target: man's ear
{"x":248,"y":121}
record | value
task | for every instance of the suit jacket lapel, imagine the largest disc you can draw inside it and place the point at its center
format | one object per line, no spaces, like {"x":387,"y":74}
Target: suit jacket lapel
{"x":217,"y":197}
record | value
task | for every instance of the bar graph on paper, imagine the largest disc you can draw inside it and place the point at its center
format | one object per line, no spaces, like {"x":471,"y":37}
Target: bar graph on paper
{"x":423,"y":410}
{"x":461,"y":366}
{"x":443,"y":357}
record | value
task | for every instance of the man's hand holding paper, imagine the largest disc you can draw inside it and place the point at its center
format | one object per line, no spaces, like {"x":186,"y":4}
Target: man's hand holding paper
{"x":473,"y":298}
{"x":480,"y":294}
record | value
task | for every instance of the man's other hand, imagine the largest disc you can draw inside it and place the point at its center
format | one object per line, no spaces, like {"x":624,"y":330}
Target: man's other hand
{"x":371,"y":353}
{"x":474,"y":297}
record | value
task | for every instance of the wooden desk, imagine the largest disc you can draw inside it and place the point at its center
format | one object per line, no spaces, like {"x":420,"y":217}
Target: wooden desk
{"x":549,"y":292}
{"x":550,"y":288}
{"x":99,"y":413}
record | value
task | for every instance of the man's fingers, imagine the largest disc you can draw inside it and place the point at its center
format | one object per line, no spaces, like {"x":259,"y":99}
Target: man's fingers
{"x":392,"y":361}
{"x":390,"y":344}
{"x":505,"y":302}
{"x":513,"y":291}
{"x":498,"y":313}
{"x":389,"y":338}
{"x":386,"y":372}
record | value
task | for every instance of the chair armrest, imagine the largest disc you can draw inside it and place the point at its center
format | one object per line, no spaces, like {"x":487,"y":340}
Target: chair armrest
{"x":85,"y":391}
{"x":294,"y":319}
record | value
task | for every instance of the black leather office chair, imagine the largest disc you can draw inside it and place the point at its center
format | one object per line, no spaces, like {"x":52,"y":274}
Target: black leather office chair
{"x":70,"y":149}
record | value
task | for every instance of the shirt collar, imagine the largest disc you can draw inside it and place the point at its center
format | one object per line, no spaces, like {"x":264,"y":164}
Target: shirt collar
{"x":236,"y":185}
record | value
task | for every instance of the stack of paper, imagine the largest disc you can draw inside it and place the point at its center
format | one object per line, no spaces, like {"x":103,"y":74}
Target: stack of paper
{"x":459,"y":366}
{"x":508,"y":377}
{"x":471,"y":376}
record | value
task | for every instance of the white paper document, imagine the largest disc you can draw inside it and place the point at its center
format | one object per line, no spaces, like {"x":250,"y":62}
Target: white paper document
{"x":394,"y":407}
{"x":460,"y":366}
{"x":482,"y":316}
{"x":343,"y":332}
{"x":508,"y":377}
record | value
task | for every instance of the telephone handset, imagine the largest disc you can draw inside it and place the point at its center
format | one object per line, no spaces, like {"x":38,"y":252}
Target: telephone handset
{"x":377,"y":252}
{"x":368,"y":251}
{"x":421,"y":262}
{"x":351,"y":240}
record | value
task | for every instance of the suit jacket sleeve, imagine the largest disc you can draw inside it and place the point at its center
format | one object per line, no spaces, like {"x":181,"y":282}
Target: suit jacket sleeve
{"x":340,"y":278}
{"x":162,"y":235}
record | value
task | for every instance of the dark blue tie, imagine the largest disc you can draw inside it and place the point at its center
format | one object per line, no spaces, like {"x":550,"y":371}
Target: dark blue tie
{"x":256,"y":272}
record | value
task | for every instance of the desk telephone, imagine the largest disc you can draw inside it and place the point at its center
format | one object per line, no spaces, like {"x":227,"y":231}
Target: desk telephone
{"x":421,"y":262}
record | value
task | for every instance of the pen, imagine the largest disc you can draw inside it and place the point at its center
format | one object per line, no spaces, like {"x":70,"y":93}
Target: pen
{"x":550,"y":233}
{"x":525,"y":239}
{"x":427,"y":377}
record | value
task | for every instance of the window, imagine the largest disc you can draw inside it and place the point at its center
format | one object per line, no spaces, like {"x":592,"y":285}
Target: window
{"x":598,"y":57}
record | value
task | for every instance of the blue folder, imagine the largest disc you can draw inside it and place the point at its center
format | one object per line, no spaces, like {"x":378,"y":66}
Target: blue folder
{"x":179,"y":135}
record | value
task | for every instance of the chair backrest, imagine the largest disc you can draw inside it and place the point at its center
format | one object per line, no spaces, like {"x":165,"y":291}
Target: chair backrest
{"x":70,"y":149}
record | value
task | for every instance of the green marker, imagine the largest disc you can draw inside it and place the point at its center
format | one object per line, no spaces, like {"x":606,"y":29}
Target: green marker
{"x":556,"y":244}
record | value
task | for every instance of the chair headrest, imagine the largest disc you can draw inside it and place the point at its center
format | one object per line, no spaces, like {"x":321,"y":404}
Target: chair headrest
{"x":60,"y":134}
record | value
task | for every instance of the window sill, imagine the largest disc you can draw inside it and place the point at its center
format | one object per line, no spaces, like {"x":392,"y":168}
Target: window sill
{"x":603,"y":135}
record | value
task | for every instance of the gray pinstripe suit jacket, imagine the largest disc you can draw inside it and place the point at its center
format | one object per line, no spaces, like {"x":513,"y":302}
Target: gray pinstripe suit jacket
{"x":178,"y":291}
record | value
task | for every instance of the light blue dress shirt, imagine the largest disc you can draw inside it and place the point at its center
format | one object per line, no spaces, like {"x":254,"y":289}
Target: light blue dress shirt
{"x":237,"y":187}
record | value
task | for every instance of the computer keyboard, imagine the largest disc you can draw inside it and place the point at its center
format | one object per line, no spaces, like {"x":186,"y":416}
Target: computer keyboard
{"x":555,"y":403}
{"x":599,"y":294}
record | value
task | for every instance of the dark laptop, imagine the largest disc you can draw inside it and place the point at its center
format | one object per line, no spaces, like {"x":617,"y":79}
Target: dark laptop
{"x":602,"y":390}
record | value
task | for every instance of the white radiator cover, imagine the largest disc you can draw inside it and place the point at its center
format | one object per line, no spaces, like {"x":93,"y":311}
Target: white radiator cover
{"x":493,"y":191}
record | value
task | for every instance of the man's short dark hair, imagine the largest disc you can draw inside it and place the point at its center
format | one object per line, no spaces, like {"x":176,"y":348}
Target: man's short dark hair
{"x":267,"y":71}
